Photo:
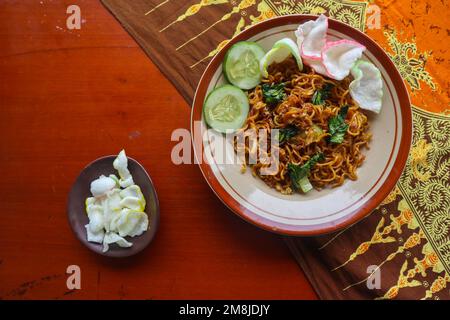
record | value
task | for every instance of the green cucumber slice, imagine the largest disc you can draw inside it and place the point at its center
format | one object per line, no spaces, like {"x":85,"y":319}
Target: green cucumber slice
{"x":226,"y":108}
{"x":280,"y":51}
{"x":241,"y":64}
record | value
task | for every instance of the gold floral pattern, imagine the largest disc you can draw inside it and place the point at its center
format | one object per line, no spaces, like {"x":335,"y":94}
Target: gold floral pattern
{"x":409,"y":62}
{"x":264,"y":12}
{"x":350,"y":12}
{"x":425,"y":182}
{"x":423,"y":192}
{"x":194,"y":9}
{"x":238,"y":8}
{"x":438,"y":285}
{"x":408,"y":277}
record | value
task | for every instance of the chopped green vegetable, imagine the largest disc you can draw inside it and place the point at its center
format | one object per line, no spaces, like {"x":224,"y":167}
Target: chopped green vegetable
{"x":305,"y":185}
{"x":299,"y":174}
{"x":284,"y":134}
{"x":273,"y":93}
{"x":318,"y":132}
{"x":322,"y":94}
{"x":337,"y":126}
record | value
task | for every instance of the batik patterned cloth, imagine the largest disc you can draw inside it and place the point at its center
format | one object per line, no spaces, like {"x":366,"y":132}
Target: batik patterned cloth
{"x":402,"y":250}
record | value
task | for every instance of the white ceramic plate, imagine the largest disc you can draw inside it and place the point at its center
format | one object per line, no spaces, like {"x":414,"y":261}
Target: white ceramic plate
{"x":322,"y":211}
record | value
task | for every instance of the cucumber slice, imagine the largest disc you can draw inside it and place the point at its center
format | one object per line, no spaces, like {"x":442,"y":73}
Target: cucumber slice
{"x":241,"y":64}
{"x":280,"y":51}
{"x":226,"y":108}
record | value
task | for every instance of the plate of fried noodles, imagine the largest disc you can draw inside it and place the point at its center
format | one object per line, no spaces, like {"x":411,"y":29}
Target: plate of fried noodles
{"x":304,"y":123}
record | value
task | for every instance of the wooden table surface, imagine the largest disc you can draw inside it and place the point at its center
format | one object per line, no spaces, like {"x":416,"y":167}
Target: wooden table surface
{"x":68,"y":97}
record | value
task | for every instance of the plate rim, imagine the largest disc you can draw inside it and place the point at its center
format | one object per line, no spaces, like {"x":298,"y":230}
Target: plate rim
{"x":393,"y":175}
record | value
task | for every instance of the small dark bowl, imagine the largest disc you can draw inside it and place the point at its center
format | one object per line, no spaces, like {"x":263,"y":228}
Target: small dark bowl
{"x":76,"y":210}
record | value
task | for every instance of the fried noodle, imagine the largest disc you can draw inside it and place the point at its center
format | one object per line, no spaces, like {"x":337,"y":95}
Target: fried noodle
{"x":340,"y":160}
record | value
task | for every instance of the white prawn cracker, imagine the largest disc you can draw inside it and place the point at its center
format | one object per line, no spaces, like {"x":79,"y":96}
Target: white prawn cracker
{"x":338,"y":57}
{"x":131,"y":223}
{"x":133,"y":191}
{"x":317,"y":65}
{"x":94,"y":236}
{"x":111,"y":238}
{"x":311,"y":37}
{"x":115,"y":213}
{"x":367,"y":87}
{"x":102,"y":185}
{"x":333,"y":59}
{"x":121,"y":165}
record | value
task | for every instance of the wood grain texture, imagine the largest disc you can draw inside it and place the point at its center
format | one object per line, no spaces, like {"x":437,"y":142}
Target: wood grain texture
{"x":68,"y":97}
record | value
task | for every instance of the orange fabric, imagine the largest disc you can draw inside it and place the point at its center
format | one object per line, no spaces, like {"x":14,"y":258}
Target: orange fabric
{"x":422,"y":26}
